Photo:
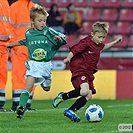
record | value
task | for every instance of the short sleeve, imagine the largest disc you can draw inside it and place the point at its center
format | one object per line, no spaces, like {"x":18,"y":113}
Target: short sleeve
{"x":23,"y":42}
{"x":80,"y":46}
{"x":61,"y":35}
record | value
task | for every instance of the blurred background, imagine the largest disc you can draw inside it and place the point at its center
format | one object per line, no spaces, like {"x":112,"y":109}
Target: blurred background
{"x":114,"y":80}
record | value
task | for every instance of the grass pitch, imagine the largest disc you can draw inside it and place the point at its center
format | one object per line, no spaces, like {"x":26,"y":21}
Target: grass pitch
{"x":50,"y":120}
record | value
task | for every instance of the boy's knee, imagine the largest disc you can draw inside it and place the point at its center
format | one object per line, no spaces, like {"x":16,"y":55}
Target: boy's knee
{"x":89,"y":96}
{"x":45,"y":88}
{"x":84,"y":92}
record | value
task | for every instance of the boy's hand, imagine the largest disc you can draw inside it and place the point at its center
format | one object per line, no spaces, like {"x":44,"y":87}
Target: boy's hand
{"x":118,"y":39}
{"x":66,"y":61}
{"x":57,"y":38}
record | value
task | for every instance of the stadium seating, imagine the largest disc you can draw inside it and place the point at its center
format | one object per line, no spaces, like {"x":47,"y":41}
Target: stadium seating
{"x":71,"y":40}
{"x":93,"y":15}
{"x":111,"y":28}
{"x":81,"y":37}
{"x":63,"y":3}
{"x":126,"y":15}
{"x":81,"y":3}
{"x":109,"y":15}
{"x":108,"y":39}
{"x":47,"y":3}
{"x":123,"y":28}
{"x":96,"y":3}
{"x":82,"y":14}
{"x":130,"y":44}
{"x":119,"y":14}
{"x":62,"y":12}
{"x":86,"y":27}
{"x":112,"y":3}
{"x":127,"y":4}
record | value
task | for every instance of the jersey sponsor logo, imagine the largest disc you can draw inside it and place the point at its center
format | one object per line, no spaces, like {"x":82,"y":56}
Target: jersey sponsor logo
{"x":36,"y":42}
{"x":90,"y":52}
{"x":39,"y":54}
{"x":83,"y":78}
{"x":46,"y":41}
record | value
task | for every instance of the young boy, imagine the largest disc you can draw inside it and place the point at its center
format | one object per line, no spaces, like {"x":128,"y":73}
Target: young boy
{"x":42,"y":43}
{"x":83,"y":58}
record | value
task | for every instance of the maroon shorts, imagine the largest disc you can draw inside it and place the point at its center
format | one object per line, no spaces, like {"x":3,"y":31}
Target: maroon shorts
{"x":82,"y":78}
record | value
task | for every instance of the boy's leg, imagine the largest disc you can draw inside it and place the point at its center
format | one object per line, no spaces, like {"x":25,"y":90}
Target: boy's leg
{"x":71,"y":115}
{"x":76,"y":106}
{"x":86,"y":95}
{"x":79,"y":103}
{"x":25,"y":96}
{"x":45,"y":88}
{"x":29,"y":102}
{"x":46,"y":83}
{"x":22,"y":103}
{"x":71,"y":94}
{"x":64,"y":96}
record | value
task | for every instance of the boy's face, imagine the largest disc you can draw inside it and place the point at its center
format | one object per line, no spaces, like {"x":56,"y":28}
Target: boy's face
{"x":99,"y":37}
{"x":39,"y":22}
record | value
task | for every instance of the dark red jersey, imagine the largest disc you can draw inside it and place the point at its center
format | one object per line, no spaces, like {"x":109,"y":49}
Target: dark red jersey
{"x":86,"y":56}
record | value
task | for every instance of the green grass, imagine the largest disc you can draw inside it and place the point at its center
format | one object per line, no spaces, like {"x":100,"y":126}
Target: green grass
{"x":50,"y":120}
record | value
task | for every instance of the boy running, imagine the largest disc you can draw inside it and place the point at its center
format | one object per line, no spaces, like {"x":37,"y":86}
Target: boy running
{"x":83,"y":58}
{"x":42,"y":43}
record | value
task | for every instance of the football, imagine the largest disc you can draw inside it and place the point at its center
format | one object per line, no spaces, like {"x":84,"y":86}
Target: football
{"x":94,"y":113}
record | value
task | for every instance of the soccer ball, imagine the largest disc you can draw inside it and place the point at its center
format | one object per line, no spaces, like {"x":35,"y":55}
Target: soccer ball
{"x":94,"y":113}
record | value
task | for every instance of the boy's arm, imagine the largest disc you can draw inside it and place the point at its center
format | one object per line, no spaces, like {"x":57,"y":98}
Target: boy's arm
{"x":67,"y":60}
{"x":59,"y":37}
{"x":109,"y":45}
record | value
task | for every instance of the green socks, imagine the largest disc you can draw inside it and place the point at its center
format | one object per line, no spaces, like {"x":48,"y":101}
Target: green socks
{"x":24,"y":98}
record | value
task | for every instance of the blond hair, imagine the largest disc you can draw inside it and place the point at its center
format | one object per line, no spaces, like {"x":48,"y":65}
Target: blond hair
{"x":100,"y":27}
{"x":37,"y":9}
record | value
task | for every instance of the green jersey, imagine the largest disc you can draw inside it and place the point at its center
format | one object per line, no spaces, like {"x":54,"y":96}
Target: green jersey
{"x":41,"y":44}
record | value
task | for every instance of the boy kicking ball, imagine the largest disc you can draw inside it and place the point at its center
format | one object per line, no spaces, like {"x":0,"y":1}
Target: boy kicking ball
{"x":83,"y":58}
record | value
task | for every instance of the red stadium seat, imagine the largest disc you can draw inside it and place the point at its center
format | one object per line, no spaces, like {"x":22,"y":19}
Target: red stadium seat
{"x":111,"y":28}
{"x":96,"y":3}
{"x":62,"y":12}
{"x":93,"y":15}
{"x":86,"y":27}
{"x":81,"y":3}
{"x":123,"y":28}
{"x":109,"y":15}
{"x":123,"y":43}
{"x":130,"y":44}
{"x":81,"y":37}
{"x":127,"y":4}
{"x":82,"y":14}
{"x":47,"y":3}
{"x":112,"y":3}
{"x":63,"y":3}
{"x":71,"y":40}
{"x":126,"y":15}
{"x":108,"y":39}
